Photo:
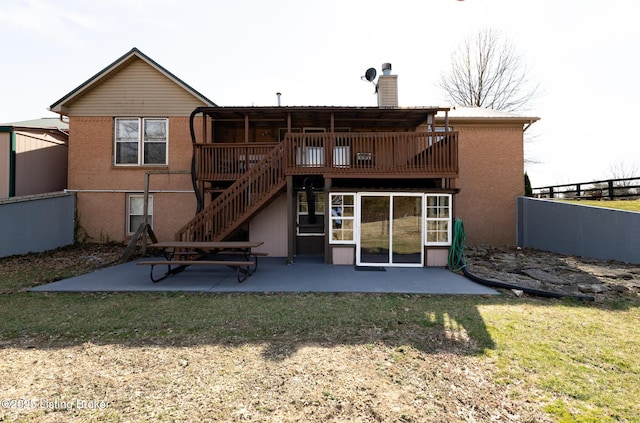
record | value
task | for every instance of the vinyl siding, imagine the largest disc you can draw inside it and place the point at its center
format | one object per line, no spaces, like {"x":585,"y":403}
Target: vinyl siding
{"x":270,"y":226}
{"x":136,"y":90}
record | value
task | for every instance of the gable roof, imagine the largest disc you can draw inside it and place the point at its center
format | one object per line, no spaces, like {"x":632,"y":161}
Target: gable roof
{"x":121,"y":62}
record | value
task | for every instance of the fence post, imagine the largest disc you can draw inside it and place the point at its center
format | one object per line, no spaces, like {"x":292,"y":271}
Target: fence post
{"x":550,"y":192}
{"x":577,"y":190}
{"x":610,"y":184}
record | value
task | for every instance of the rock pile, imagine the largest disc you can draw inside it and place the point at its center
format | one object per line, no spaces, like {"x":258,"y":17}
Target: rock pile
{"x":553,"y":272}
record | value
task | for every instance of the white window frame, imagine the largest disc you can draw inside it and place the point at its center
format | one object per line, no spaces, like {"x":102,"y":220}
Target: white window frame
{"x":130,"y":197}
{"x":333,"y":218}
{"x":448,"y":219}
{"x":141,"y":141}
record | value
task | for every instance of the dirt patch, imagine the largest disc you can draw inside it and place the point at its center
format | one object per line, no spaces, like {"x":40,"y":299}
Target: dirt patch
{"x":541,"y":270}
{"x":318,"y":383}
{"x":25,"y":271}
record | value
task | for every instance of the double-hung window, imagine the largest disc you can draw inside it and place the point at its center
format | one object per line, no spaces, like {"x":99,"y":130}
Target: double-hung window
{"x":438,"y":219}
{"x":141,"y":141}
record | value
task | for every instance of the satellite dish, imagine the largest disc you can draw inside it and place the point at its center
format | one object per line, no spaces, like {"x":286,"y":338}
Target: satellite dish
{"x":370,"y":74}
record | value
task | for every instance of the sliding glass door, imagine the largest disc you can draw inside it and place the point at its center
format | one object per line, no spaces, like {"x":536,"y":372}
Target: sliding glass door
{"x":375,"y":239}
{"x":391,"y":230}
{"x":406,"y":229}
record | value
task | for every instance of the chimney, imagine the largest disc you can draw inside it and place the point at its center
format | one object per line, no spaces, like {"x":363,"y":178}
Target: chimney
{"x":387,"y":88}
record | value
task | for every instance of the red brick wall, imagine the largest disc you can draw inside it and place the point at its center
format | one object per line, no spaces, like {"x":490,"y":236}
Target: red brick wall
{"x":102,"y":187}
{"x":102,"y":216}
{"x":491,"y":178}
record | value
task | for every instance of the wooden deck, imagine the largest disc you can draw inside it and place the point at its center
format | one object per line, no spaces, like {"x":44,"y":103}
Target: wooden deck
{"x":338,"y":155}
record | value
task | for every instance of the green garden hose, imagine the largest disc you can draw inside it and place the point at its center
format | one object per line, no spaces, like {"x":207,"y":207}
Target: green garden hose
{"x":456,"y":260}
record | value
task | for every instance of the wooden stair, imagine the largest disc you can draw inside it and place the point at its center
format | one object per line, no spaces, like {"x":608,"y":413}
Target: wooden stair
{"x":247,"y":195}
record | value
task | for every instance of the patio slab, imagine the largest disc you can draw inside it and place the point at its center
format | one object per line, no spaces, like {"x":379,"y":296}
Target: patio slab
{"x":305,"y":275}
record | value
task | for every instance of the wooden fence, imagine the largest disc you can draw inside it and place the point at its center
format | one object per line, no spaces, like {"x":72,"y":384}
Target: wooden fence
{"x":625,"y":188}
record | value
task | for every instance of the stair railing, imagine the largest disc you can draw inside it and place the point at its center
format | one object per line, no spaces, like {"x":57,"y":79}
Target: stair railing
{"x":243,"y":198}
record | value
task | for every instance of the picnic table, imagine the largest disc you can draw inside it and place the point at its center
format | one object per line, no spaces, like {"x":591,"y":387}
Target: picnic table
{"x":178,"y":255}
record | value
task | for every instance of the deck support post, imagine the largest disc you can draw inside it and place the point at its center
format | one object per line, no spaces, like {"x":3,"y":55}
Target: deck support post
{"x":291,"y":221}
{"x":328,"y":259}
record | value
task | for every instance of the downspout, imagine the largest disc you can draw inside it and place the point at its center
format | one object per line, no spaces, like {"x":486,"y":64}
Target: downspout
{"x":194,"y":181}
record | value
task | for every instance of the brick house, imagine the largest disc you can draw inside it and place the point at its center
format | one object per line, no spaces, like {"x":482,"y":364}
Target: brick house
{"x":364,"y":185}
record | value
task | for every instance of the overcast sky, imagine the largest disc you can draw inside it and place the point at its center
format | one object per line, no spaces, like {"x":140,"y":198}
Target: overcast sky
{"x":584,"y":54}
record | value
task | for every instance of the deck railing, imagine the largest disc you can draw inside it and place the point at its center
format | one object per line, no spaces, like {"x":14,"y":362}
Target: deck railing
{"x":382,"y":154}
{"x":228,"y":161}
{"x":374,"y":154}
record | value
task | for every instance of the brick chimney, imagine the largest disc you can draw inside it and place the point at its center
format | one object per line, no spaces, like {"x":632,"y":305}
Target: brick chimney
{"x":387,"y":88}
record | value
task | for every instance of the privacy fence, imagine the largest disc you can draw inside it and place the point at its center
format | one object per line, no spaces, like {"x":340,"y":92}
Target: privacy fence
{"x":574,"y":229}
{"x":36,"y":223}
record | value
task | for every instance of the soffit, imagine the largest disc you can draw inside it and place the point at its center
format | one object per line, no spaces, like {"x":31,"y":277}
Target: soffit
{"x":308,"y":116}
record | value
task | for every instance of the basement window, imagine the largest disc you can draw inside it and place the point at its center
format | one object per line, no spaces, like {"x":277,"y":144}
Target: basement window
{"x":135,"y":212}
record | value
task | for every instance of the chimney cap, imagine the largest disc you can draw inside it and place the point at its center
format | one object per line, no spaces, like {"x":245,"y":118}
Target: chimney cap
{"x":386,"y":68}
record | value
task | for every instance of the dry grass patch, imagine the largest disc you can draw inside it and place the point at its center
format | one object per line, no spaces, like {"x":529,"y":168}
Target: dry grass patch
{"x":316,"y":383}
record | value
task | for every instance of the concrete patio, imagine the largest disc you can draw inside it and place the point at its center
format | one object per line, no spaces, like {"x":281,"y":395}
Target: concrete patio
{"x":305,"y":275}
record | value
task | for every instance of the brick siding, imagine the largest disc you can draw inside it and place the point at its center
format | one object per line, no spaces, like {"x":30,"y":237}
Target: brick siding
{"x":491,"y":178}
{"x":102,"y":215}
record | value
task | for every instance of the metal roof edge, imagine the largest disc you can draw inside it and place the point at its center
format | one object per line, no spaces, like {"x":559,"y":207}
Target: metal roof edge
{"x":481,"y":114}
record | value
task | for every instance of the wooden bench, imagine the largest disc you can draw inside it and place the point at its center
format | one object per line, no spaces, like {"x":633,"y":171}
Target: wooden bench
{"x":242,"y":273}
{"x":247,"y":255}
{"x":226,"y":253}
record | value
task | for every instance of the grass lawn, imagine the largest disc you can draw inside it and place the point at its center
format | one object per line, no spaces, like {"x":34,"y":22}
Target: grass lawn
{"x":630,"y":205}
{"x":318,"y":357}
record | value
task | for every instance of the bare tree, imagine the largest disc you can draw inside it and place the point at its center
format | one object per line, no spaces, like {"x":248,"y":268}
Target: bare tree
{"x":623,"y":170}
{"x":486,"y":71}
